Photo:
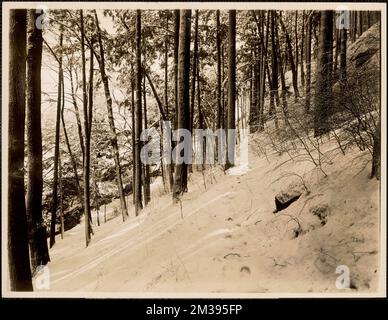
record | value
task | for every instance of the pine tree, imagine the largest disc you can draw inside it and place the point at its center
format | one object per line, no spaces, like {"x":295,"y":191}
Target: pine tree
{"x":37,"y":228}
{"x":18,"y":255}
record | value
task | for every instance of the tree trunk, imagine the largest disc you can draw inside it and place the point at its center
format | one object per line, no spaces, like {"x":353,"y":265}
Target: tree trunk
{"x":323,"y":91}
{"x":194,"y":74}
{"x":77,"y":115}
{"x":253,"y":114}
{"x":264,"y":47}
{"x":375,"y":173}
{"x":183,"y":111}
{"x":37,"y":228}
{"x":147,"y":188}
{"x":308,"y":64}
{"x":133,"y":134}
{"x":291,"y":59}
{"x":275,"y":74}
{"x":359,"y":24}
{"x":168,"y":166}
{"x":296,"y":46}
{"x":113,"y":137}
{"x":18,"y":255}
{"x":138,"y":118}
{"x":54,"y":203}
{"x":61,"y":195}
{"x":343,"y":45}
{"x":302,"y":49}
{"x":282,"y":77}
{"x":86,"y":164}
{"x":231,"y":139}
{"x":219,"y":89}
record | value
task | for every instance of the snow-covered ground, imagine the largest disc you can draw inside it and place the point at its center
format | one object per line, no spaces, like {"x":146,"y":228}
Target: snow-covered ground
{"x":225,"y":238}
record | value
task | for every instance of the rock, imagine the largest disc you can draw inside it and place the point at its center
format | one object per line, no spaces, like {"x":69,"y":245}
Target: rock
{"x":284,"y":198}
{"x":321,"y":211}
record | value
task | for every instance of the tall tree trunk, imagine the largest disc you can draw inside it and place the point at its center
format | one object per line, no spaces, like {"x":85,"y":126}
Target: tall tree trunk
{"x":359,"y":23}
{"x":308,"y":63}
{"x":343,"y":45}
{"x":296,"y":46}
{"x":194,"y":74}
{"x":219,"y":89}
{"x":18,"y":255}
{"x":231,"y":140}
{"x":133,"y":134}
{"x":264,"y":47}
{"x":138,"y":117}
{"x":169,"y":170}
{"x":282,"y":77}
{"x":86,"y":164}
{"x":38,"y":233}
{"x":183,"y":111}
{"x":275,"y":72}
{"x":291,"y":59}
{"x":77,"y":114}
{"x":302,"y":49}
{"x":323,"y":89}
{"x":113,"y":137}
{"x":253,"y":112}
{"x":54,"y":203}
{"x":147,"y":188}
{"x":61,"y":195}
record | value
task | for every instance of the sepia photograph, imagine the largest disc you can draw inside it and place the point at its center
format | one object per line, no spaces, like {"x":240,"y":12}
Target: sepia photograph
{"x":193,"y":150}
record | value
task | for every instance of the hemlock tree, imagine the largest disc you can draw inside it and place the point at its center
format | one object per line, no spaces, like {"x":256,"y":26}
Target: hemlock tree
{"x":113,"y":137}
{"x":18,"y":256}
{"x":231,"y":138}
{"x":138,"y":117}
{"x":183,"y":111}
{"x":54,"y":203}
{"x":323,"y":87}
{"x":37,"y":229}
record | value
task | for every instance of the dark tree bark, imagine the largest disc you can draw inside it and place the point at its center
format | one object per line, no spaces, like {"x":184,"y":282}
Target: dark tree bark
{"x":169,"y":169}
{"x":113,"y":137}
{"x":343,"y":45}
{"x":183,"y":111}
{"x":308,"y":63}
{"x":147,"y":187}
{"x":282,"y":77}
{"x":302,"y":49}
{"x":18,"y":255}
{"x":86,"y":165}
{"x":264,"y":47}
{"x":218,"y":44}
{"x":133,"y":134}
{"x":38,"y":233}
{"x":275,"y":73}
{"x":231,"y":89}
{"x":253,"y":114}
{"x":54,"y":203}
{"x":61,"y":195}
{"x":138,"y":117}
{"x":323,"y":91}
{"x":290,"y":58}
{"x":296,"y":46}
{"x":376,"y":165}
{"x":176,"y":50}
{"x":77,"y":114}
{"x":360,"y":25}
{"x":193,"y":78}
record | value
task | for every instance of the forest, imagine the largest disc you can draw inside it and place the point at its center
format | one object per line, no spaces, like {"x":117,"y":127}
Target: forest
{"x":110,"y":110}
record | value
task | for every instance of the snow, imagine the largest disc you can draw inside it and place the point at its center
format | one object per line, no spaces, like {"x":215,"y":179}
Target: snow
{"x":225,"y":238}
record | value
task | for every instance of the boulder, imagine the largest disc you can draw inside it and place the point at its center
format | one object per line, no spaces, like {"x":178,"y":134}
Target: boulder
{"x":287,"y":196}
